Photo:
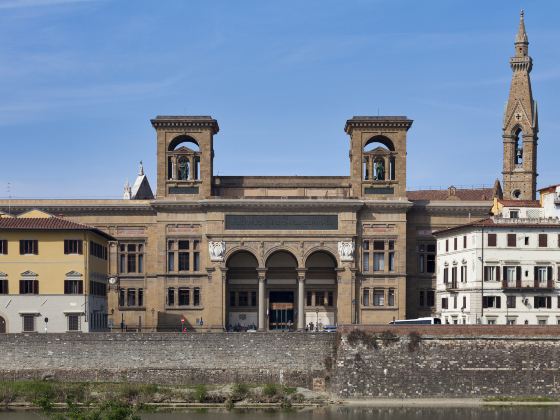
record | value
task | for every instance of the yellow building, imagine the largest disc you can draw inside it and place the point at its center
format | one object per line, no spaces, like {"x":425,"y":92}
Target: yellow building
{"x":53,"y":274}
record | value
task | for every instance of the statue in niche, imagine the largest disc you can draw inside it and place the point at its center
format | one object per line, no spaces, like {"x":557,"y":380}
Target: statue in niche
{"x":379,"y":170}
{"x":183,"y":169}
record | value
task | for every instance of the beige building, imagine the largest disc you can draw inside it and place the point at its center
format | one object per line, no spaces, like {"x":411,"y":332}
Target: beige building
{"x":53,"y":274}
{"x":215,"y":252}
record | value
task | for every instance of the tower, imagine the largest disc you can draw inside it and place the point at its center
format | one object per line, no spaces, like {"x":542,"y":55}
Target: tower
{"x":184,"y":156}
{"x":520,"y":125}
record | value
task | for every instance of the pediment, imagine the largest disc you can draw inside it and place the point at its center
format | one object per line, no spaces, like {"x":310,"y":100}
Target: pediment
{"x":184,"y":149}
{"x":29,"y":273}
{"x":73,"y":274}
{"x":511,"y":119}
{"x":378,"y":151}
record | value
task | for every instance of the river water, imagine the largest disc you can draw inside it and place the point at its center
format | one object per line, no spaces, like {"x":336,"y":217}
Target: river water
{"x":351,"y":413}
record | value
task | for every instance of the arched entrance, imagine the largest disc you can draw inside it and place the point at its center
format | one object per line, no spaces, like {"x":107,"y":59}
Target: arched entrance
{"x":281,"y":279}
{"x":241,"y":291}
{"x":320,"y":290}
{"x":2,"y":325}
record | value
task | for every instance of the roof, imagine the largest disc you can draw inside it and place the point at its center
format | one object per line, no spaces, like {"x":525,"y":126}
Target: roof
{"x":520,"y":203}
{"x":47,"y":223}
{"x":490,"y":222}
{"x":463,"y":194}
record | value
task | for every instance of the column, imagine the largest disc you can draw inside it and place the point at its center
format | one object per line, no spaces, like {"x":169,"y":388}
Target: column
{"x":262,"y":301}
{"x":301,"y":308}
{"x":370,"y":163}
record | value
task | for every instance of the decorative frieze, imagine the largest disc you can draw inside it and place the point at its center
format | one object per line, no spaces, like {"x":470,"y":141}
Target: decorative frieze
{"x":346,"y":251}
{"x":216,"y":249}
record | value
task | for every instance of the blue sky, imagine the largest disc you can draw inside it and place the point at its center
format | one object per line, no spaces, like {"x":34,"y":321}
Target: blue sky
{"x":80,"y":80}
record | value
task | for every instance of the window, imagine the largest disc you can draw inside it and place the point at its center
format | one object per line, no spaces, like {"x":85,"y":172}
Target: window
{"x":365,"y":297}
{"x":510,"y":301}
{"x":512,"y":276}
{"x":383,"y":255}
{"x":378,"y":261}
{"x":171,"y":296}
{"x":430,"y":298}
{"x":73,"y":287}
{"x":427,"y":257}
{"x":454,"y":277}
{"x":185,"y":296}
{"x":542,"y":321}
{"x":121,"y":297}
{"x":514,"y":214}
{"x":131,"y":297}
{"x":491,"y":273}
{"x":253,"y":298}
{"x":131,"y":258}
{"x":73,"y":322}
{"x":492,"y":239}
{"x":183,"y":255}
{"x":196,"y":296}
{"x":511,"y":239}
{"x":542,"y":275}
{"x":463,"y":274}
{"x":4,"y":286}
{"x":391,"y":297}
{"x":454,"y":301}
{"x":511,"y":321}
{"x":28,"y":246}
{"x":542,"y":302}
{"x":243,"y":298}
{"x":391,"y":255}
{"x":421,"y":300}
{"x":29,"y":287}
{"x":446,"y":275}
{"x":97,"y":288}
{"x":28,"y":323}
{"x":365,"y":257}
{"x":454,"y":244}
{"x":330,"y":298}
{"x":3,"y":247}
{"x":526,"y":240}
{"x":465,"y":242}
{"x":319,"y":298}
{"x":491,"y":302}
{"x":447,"y":245}
{"x":464,"y":303}
{"x":444,"y":303}
{"x":73,"y":246}
{"x":309,"y":298}
{"x":97,"y":250}
{"x":543,"y":240}
{"x":140,"y":297}
{"x":378,"y":297}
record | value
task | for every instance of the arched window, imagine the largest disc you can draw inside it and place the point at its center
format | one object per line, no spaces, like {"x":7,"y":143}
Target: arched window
{"x":379,"y":142}
{"x":184,"y":142}
{"x":518,"y":157}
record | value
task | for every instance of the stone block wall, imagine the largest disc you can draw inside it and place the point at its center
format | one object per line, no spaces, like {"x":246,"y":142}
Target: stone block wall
{"x":293,"y":359}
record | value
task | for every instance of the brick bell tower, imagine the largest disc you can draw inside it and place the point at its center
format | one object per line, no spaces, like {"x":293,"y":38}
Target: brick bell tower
{"x":520,"y":126}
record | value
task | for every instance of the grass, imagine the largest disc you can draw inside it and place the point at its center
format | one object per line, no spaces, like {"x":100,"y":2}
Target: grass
{"x":542,"y":399}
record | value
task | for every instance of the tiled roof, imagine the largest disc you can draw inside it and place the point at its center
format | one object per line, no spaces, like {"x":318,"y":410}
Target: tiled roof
{"x":489,"y":222}
{"x":46,"y":223}
{"x":463,"y":194}
{"x":520,"y":203}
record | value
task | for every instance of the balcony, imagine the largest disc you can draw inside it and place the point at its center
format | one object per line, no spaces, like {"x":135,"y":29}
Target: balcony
{"x":451,"y":285}
{"x":528,"y":286}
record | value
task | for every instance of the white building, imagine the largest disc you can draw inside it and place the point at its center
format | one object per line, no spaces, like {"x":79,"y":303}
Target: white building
{"x":504,"y":269}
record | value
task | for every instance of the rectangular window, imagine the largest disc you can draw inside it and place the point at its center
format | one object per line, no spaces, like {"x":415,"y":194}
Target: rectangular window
{"x":73,"y":322}
{"x":454,"y":301}
{"x":511,"y":239}
{"x":196,"y":296}
{"x":73,"y":287}
{"x":542,"y":302}
{"x":491,"y":302}
{"x":421,"y":263}
{"x":465,"y":242}
{"x":196,"y":261}
{"x":73,"y":246}
{"x":253,"y":299}
{"x":97,"y":250}
{"x":243,"y":298}
{"x":330,"y":298}
{"x":446,"y":275}
{"x":454,"y":244}
{"x":454,"y":277}
{"x":444,"y":303}
{"x":378,"y":261}
{"x":3,"y":247}
{"x":29,"y":287}
{"x":28,"y":246}
{"x":427,"y":258}
{"x":141,"y":297}
{"x":131,"y":297}
{"x":170,"y":261}
{"x":514,"y":214}
{"x":365,"y":262}
{"x":28,"y":323}
{"x":171,"y":296}
{"x":179,"y":254}
{"x":131,"y":258}
{"x":320,"y":298}
{"x":365,"y":297}
{"x":232,"y":299}
{"x":391,"y":297}
{"x":492,"y":239}
{"x":430,"y":298}
{"x":491,"y":273}
{"x":309,"y":298}
{"x":447,"y":245}
{"x":463,"y":274}
{"x":184,"y":296}
{"x":4,"y":287}
{"x":421,"y":298}
{"x":510,"y":301}
{"x":464,"y":303}
{"x":543,"y":240}
{"x":378,"y":297}
{"x":121,"y":297}
{"x":391,"y":261}
{"x":183,"y":261}
{"x":378,"y":245}
{"x":526,"y":240}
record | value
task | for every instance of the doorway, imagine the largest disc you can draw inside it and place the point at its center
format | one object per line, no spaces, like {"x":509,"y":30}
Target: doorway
{"x":2,"y":325}
{"x":281,"y":310}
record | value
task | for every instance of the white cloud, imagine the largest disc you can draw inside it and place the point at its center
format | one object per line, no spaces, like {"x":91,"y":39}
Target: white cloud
{"x":14,"y":4}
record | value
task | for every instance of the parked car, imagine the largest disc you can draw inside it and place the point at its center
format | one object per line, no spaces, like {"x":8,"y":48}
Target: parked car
{"x":329,"y":328}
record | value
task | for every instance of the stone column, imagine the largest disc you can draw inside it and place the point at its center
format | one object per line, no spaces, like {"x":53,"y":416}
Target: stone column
{"x":301,"y":300}
{"x":262,"y":300}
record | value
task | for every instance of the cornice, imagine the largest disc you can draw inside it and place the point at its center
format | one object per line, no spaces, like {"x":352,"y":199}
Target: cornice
{"x":259,"y":204}
{"x":185,"y":122}
{"x":399,"y":122}
{"x":78,"y":207}
{"x":454,"y":207}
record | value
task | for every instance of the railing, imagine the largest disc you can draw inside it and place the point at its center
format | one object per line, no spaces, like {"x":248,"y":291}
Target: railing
{"x":527,"y":220}
{"x":518,"y":285}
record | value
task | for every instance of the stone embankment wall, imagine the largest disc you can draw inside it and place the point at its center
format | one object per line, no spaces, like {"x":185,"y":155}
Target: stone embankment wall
{"x":293,"y":359}
{"x":447,"y":361}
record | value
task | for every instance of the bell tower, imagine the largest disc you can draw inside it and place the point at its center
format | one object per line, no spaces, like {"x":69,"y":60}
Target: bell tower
{"x":184,"y":156}
{"x":520,"y":127}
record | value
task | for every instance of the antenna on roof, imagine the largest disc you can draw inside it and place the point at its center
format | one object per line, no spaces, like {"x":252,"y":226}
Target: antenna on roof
{"x":378,"y":111}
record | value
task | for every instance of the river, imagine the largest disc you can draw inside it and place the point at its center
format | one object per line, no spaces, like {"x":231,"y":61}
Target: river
{"x":351,"y":413}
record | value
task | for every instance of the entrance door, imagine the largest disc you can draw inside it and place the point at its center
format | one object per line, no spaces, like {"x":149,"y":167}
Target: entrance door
{"x":281,"y":311}
{"x":2,"y":325}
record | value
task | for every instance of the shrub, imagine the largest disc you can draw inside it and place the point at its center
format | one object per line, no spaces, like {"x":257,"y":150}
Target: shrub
{"x":387,"y":337}
{"x":239,"y":392}
{"x":356,"y":337}
{"x":414,"y":340}
{"x":200,"y":393}
{"x":270,"y":390}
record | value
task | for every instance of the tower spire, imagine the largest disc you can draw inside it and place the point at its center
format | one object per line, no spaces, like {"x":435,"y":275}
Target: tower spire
{"x":520,"y":127}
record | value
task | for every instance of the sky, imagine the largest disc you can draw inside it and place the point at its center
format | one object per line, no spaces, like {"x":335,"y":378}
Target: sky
{"x":81,"y":79}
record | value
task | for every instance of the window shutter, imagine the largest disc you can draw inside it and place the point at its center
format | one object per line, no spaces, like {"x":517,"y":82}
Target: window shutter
{"x":484,"y":302}
{"x":498,"y":273}
{"x":20,"y":287}
{"x":66,"y":246}
{"x":549,"y":273}
{"x":498,"y":302}
{"x":518,"y":273}
{"x":536,"y":274}
{"x":36,"y":247}
{"x":20,"y":247}
{"x":511,"y":239}
{"x":543,"y":240}
{"x":549,"y":302}
{"x":505,"y":273}
{"x":536,"y":302}
{"x":36,"y":286}
{"x":80,"y":247}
